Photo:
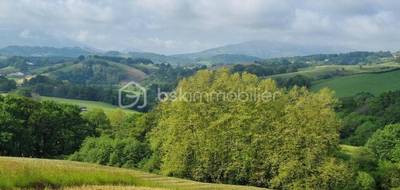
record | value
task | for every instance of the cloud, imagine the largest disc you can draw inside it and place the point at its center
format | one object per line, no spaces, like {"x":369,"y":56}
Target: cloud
{"x":178,"y":26}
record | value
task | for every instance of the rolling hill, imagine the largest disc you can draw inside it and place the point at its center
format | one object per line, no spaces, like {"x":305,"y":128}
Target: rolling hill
{"x":89,"y":105}
{"x":264,"y":49}
{"x":374,"y":83}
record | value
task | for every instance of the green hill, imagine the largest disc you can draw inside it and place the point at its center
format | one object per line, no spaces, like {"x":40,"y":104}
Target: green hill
{"x":374,"y":83}
{"x":41,"y":173}
{"x":98,"y":71}
{"x":321,"y":71}
{"x":107,"y":108}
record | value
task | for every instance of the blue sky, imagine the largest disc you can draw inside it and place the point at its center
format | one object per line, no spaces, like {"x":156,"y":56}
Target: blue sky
{"x":180,"y":26}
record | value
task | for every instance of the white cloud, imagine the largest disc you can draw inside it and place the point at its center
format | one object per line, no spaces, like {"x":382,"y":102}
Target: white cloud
{"x":177,"y":26}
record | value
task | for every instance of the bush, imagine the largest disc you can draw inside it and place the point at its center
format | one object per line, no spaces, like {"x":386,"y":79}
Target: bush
{"x":386,"y":142}
{"x":126,"y":152}
{"x":388,"y":175}
{"x":365,"y":181}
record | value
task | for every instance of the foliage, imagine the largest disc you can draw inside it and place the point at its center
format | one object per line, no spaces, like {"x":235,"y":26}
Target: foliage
{"x":7,"y":85}
{"x":283,"y":143}
{"x":298,"y":80}
{"x":352,"y":58}
{"x":388,"y":175}
{"x":98,"y":120}
{"x":92,"y":71}
{"x":125,"y":152}
{"x":385,"y":143}
{"x":365,"y":181}
{"x":364,"y":113}
{"x":266,"y":68}
{"x":40,"y":129}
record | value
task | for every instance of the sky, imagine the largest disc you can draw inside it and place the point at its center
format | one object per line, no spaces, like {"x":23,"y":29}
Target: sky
{"x":182,"y":26}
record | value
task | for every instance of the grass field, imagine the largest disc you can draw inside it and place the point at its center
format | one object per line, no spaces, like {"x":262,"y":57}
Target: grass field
{"x":41,"y":173}
{"x":318,"y":71}
{"x":374,"y":83}
{"x":88,"y":104}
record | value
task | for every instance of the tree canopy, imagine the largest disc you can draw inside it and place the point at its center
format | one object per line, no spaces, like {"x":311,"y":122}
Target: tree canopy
{"x":285,"y":142}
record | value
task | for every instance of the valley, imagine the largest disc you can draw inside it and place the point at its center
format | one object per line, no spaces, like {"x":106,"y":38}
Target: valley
{"x":102,"y":146}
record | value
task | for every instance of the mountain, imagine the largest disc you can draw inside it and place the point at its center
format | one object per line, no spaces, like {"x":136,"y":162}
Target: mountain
{"x":265,"y":49}
{"x":221,"y":59}
{"x":156,"y":58}
{"x":40,"y":51}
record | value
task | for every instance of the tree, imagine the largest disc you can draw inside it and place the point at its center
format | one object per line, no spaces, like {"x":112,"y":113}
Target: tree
{"x":98,"y":120}
{"x":7,"y":85}
{"x":385,"y":142}
{"x":40,"y":129}
{"x":365,"y":181}
{"x":281,"y":142}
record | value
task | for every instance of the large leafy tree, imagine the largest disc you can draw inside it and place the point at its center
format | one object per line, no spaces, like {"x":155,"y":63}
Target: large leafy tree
{"x":286,"y":140}
{"x":40,"y":129}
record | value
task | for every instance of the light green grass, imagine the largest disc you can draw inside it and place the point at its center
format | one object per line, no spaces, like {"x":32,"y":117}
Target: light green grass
{"x":375,"y":83}
{"x":107,"y":108}
{"x":351,"y":150}
{"x":34,"y":173}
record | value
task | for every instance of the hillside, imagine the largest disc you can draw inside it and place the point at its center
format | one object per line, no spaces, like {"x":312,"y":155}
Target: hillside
{"x":374,"y":83}
{"x":39,"y":173}
{"x":89,"y":105}
{"x":264,"y":49}
{"x":325,"y":71}
{"x":98,"y":71}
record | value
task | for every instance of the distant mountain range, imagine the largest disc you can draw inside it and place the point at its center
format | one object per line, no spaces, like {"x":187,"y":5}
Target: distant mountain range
{"x":246,"y":52}
{"x":45,"y":51}
{"x":266,"y":49}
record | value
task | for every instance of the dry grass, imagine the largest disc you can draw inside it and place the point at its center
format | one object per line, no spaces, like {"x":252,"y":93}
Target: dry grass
{"x":44,"y":173}
{"x":108,"y":187}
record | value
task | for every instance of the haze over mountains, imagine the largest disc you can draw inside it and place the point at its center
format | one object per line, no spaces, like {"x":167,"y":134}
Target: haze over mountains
{"x":235,"y":53}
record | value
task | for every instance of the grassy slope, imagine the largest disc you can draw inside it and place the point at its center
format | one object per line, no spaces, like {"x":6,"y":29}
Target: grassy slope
{"x":315,"y":71}
{"x":132,"y":73}
{"x":374,"y":83}
{"x":88,"y":104}
{"x":34,"y":173}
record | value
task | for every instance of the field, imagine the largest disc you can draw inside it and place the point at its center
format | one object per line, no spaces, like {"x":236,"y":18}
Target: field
{"x":318,"y":71}
{"x":42,"y":173}
{"x":88,"y":104}
{"x":374,"y":83}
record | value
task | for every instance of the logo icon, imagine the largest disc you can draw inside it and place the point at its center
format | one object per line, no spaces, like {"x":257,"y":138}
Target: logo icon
{"x":130,"y":95}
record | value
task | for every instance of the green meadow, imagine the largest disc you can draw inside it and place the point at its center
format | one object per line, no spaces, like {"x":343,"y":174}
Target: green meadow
{"x":88,"y":104}
{"x":374,"y":83}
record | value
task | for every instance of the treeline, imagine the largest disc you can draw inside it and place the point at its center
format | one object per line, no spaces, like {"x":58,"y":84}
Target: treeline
{"x":7,"y":85}
{"x":266,"y":68}
{"x":93,"y":71}
{"x":127,"y":61}
{"x":365,"y":113}
{"x":46,"y":86}
{"x":352,"y":58}
{"x":40,"y":129}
